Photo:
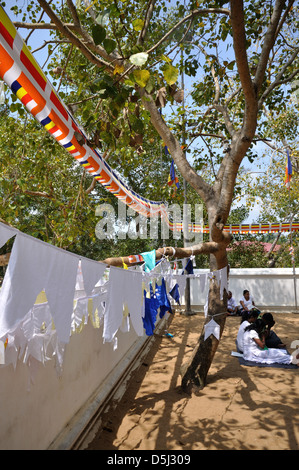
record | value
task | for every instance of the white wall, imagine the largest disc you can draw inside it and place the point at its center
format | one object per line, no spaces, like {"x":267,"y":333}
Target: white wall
{"x":270,"y":287}
{"x":32,"y":418}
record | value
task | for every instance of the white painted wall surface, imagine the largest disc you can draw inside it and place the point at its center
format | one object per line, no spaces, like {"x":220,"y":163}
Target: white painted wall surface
{"x":32,"y":418}
{"x":269,"y":287}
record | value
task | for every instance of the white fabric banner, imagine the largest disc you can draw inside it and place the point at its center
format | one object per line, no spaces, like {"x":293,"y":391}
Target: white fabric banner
{"x":6,"y":233}
{"x":34,"y":266}
{"x":124,"y":296}
{"x":92,"y":271}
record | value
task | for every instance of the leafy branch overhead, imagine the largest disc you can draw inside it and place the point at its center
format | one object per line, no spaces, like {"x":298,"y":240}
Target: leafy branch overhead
{"x":199,"y":78}
{"x":118,"y":66}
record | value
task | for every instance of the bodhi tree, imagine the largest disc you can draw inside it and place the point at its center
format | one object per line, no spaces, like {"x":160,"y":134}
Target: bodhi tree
{"x":121,"y":62}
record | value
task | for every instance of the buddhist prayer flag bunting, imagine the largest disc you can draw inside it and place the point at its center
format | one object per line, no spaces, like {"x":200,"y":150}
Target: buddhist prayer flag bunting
{"x":22,"y":74}
{"x":288,"y":171}
{"x":172,"y":178}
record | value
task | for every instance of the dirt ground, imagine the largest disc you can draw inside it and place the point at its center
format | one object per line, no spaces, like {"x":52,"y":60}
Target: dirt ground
{"x":241,"y":408}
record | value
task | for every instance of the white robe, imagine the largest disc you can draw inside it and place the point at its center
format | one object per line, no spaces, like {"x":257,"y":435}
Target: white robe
{"x":252,"y":352}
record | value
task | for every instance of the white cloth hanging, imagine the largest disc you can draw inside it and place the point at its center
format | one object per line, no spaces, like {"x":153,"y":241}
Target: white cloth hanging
{"x":34,"y":266}
{"x":180,"y":279}
{"x":6,"y":233}
{"x":202,"y":282}
{"x":124,"y":296}
{"x":92,"y":271}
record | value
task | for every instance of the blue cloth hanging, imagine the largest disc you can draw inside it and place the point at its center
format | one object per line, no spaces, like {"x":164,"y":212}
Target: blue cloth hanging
{"x":157,"y":299}
{"x":151,"y":305}
{"x":164,"y":303}
{"x":189,"y":267}
{"x":175,"y":294}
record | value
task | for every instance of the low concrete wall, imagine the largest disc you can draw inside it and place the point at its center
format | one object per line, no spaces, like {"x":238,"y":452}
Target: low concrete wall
{"x":53,"y":411}
{"x":270,"y":288}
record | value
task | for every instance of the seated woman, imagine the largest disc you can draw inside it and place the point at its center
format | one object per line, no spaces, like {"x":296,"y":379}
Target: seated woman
{"x":252,"y":316}
{"x":272,"y":340}
{"x":247,"y":304}
{"x":232,"y":308}
{"x":254,"y":347}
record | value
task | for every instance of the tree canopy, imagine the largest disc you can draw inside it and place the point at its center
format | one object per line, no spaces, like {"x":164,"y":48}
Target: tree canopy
{"x":206,"y":80}
{"x":119,"y":67}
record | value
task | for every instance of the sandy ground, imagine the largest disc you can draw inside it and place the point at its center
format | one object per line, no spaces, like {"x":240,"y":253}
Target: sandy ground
{"x":241,"y":408}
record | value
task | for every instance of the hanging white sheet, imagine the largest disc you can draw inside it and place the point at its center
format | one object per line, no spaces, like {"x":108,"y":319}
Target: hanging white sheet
{"x":124,"y":296}
{"x":6,"y":233}
{"x":34,"y":266}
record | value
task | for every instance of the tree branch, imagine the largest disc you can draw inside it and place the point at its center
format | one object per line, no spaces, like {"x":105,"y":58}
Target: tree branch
{"x":179,"y":253}
{"x":19,"y":24}
{"x":239,"y":41}
{"x":268,"y":44}
{"x":65,"y":31}
{"x":279,"y":81}
{"x":193,"y":14}
{"x":174,"y":147}
{"x":148,"y":15}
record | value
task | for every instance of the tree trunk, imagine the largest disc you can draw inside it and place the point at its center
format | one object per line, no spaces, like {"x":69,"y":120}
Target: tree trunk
{"x":195,"y":371}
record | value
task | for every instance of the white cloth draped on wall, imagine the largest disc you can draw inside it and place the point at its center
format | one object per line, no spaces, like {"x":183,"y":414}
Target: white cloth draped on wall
{"x":33,"y":267}
{"x":74,"y":289}
{"x":124,"y":296}
{"x":6,"y":233}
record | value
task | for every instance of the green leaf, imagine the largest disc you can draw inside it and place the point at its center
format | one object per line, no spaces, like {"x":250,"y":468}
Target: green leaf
{"x":170,"y":74}
{"x":138,"y":24}
{"x":165,"y":58}
{"x":141,"y":77}
{"x":103,"y":17}
{"x":109,"y":45}
{"x":98,"y":34}
{"x":150,"y":84}
{"x":139,"y":59}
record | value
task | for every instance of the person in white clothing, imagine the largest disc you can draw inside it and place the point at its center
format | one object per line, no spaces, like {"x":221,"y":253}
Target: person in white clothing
{"x":247,"y":304}
{"x":252,"y":317}
{"x":232,"y":307}
{"x":254,"y":347}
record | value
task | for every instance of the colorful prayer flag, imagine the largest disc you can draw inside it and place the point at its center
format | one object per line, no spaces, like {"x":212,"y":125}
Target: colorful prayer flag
{"x":288,"y":171}
{"x":172,"y":178}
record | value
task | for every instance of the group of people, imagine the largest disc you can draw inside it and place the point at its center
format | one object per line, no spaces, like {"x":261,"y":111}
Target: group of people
{"x":246,"y":304}
{"x":256,"y":339}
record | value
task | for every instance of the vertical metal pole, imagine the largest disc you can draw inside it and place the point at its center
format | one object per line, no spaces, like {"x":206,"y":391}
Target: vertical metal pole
{"x":185,"y":215}
{"x":294,"y":267}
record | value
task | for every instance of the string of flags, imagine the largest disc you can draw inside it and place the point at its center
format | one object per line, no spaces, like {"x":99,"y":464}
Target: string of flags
{"x":288,"y":171}
{"x":49,"y":294}
{"x":22,"y":74}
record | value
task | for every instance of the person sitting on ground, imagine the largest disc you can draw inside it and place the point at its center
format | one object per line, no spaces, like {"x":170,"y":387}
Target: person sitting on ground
{"x":254,"y":347}
{"x":232,"y":307}
{"x":252,"y":317}
{"x":247,"y":304}
{"x":272,"y":340}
